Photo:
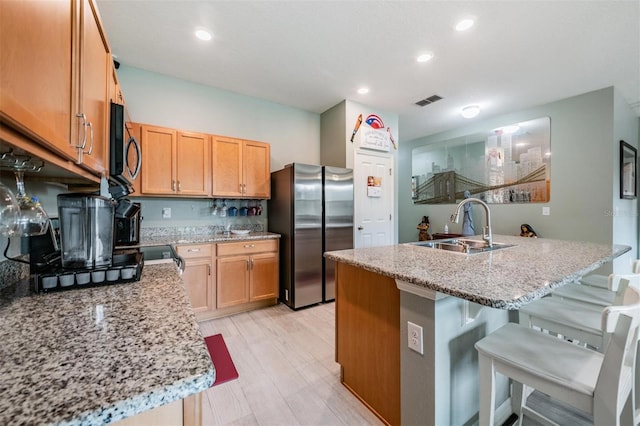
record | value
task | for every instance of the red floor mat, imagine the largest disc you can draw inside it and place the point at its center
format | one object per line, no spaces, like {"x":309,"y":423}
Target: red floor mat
{"x":225,"y":370}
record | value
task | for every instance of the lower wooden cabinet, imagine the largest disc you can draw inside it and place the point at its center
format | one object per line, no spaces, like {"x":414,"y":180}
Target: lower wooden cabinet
{"x":226,"y":278}
{"x":247,"y":272}
{"x":198,"y":276}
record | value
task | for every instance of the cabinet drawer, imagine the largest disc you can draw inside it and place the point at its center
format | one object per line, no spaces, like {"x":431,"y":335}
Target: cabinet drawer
{"x":247,"y":247}
{"x":195,"y":250}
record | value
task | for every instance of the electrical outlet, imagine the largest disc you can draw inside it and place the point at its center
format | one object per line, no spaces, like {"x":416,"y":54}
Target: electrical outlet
{"x":166,"y":212}
{"x":414,"y":337}
{"x":546,"y":211}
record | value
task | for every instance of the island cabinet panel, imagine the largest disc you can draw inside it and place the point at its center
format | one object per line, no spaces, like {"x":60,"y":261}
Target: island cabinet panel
{"x":183,"y":412}
{"x":368,"y":339}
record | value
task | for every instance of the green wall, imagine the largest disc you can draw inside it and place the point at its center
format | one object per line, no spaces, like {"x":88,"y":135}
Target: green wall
{"x":584,"y":164}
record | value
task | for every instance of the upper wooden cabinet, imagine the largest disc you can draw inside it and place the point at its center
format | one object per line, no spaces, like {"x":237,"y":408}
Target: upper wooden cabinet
{"x":94,"y":80}
{"x":174,"y":162}
{"x":54,"y":65}
{"x":240,"y":168}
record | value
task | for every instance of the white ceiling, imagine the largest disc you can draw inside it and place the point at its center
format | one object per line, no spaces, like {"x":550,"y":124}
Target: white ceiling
{"x":314,"y":54}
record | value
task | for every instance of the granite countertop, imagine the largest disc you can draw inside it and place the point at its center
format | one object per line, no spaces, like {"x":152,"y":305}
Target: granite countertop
{"x":196,"y":238}
{"x":97,"y":355}
{"x":506,"y":278}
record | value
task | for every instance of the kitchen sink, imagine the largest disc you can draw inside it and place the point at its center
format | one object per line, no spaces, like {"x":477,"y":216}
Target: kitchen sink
{"x":461,"y":245}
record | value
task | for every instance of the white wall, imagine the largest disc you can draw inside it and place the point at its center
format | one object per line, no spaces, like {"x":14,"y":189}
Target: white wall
{"x":154,"y":98}
{"x":584,"y":165}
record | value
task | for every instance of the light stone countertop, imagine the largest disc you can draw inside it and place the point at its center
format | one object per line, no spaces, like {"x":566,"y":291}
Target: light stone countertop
{"x":506,"y":278}
{"x":97,"y":355}
{"x":201,"y":238}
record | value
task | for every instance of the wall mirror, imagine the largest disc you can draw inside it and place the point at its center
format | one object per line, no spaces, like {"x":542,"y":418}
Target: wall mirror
{"x":506,"y":164}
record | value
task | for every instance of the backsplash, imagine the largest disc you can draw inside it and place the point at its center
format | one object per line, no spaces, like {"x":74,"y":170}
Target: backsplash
{"x":11,"y":272}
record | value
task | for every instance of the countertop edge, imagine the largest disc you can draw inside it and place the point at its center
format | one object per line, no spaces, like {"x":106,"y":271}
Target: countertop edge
{"x":510,"y":304}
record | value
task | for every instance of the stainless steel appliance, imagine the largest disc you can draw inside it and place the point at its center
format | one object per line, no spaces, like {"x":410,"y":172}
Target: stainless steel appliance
{"x":86,"y":230}
{"x":312,"y":208}
{"x":127,"y":223}
{"x":125,"y":156}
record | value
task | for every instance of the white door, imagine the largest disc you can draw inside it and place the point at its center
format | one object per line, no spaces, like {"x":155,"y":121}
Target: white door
{"x":373,"y":184}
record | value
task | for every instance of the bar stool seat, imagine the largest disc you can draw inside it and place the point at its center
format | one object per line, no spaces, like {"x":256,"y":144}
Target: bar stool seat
{"x":585,"y":294}
{"x":598,"y":383}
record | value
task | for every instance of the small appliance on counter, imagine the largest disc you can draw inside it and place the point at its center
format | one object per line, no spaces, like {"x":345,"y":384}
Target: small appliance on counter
{"x":127,"y":223}
{"x":86,"y":256}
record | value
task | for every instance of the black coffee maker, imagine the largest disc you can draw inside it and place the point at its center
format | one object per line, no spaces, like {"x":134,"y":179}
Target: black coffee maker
{"x":127,"y":223}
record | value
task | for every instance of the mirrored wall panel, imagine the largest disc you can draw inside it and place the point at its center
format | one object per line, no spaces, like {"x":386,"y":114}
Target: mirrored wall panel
{"x":507,"y":164}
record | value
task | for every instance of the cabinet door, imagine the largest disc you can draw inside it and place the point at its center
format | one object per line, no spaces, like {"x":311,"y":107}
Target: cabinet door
{"x":94,"y":88}
{"x":192,"y":164}
{"x":36,"y":57}
{"x":263,"y":282}
{"x":158,"y":145}
{"x":197,"y":278}
{"x":256,"y":170}
{"x":226,"y":164}
{"x":232,"y":280}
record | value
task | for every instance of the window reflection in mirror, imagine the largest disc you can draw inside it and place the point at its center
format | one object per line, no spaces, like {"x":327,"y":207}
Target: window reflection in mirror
{"x":508,"y":164}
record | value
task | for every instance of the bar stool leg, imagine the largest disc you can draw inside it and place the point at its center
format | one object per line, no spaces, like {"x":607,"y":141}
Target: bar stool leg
{"x":487,"y":375}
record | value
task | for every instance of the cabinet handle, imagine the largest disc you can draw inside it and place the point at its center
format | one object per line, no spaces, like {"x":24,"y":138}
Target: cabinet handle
{"x":209,"y":269}
{"x":252,"y":263}
{"x":244,"y":188}
{"x":249,"y":245}
{"x":91,"y":138}
{"x":195,"y":250}
{"x":173,"y":185}
{"x":179,"y":187}
{"x":247,"y":264}
{"x":84,"y":130}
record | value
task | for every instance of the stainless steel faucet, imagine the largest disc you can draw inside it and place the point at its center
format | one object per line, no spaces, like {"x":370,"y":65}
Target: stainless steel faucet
{"x":486,"y":230}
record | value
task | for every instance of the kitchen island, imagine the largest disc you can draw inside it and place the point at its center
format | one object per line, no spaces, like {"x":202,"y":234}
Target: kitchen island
{"x":380,"y":290}
{"x":98,"y":355}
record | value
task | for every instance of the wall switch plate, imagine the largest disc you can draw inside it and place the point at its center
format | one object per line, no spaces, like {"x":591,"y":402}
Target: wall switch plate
{"x":166,"y":212}
{"x":414,"y":337}
{"x":546,"y":211}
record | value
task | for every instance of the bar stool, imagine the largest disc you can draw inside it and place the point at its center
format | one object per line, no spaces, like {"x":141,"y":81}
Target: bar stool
{"x":601,"y":281}
{"x":577,"y":321}
{"x":599,"y":384}
{"x":593,"y":289}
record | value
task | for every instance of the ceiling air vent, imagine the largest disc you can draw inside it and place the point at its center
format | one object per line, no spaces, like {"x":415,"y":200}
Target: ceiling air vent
{"x":426,"y":101}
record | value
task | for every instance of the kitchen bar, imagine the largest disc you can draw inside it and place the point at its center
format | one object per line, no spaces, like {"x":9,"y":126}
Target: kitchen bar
{"x":406,"y":283}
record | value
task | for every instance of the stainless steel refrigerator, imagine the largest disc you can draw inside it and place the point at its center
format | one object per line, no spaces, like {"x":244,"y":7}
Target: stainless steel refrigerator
{"x":311,"y":206}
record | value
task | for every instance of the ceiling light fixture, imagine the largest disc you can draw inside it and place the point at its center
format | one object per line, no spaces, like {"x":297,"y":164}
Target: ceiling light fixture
{"x":363,"y":90}
{"x":464,"y":25}
{"x":203,"y":34}
{"x":470,"y":111}
{"x":425,"y":57}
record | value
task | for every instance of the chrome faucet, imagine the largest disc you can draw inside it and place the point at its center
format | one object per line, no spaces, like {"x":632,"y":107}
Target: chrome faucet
{"x":486,"y":231}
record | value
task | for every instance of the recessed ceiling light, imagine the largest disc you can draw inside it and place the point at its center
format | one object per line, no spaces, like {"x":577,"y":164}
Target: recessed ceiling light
{"x":470,"y":111}
{"x":203,"y":34}
{"x":464,"y":25}
{"x":425,"y":57}
{"x":363,"y":90}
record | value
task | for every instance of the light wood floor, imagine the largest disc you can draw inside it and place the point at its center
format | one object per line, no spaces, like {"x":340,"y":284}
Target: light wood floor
{"x":286,"y":368}
{"x":288,"y":376}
